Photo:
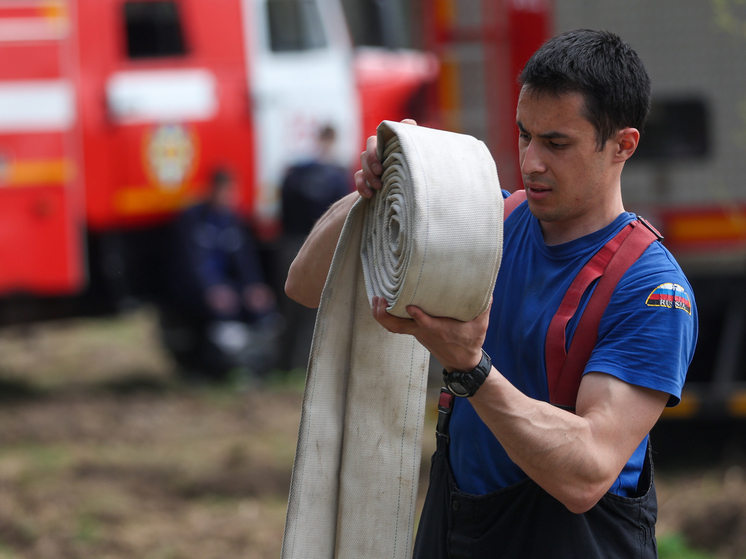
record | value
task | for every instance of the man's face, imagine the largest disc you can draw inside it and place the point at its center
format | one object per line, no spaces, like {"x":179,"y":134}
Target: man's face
{"x":571,"y":187}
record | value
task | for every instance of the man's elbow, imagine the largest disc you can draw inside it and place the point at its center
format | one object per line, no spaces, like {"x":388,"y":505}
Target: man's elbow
{"x":294,"y":288}
{"x":583,"y":499}
{"x":580,"y":505}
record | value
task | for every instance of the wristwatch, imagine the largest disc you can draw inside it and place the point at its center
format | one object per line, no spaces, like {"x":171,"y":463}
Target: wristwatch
{"x":465,"y":385}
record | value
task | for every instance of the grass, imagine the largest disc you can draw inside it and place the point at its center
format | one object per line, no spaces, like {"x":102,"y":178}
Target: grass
{"x":673,"y":546}
{"x":105,"y":454}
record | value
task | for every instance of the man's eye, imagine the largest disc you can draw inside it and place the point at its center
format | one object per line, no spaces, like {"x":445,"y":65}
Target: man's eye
{"x":555,"y":145}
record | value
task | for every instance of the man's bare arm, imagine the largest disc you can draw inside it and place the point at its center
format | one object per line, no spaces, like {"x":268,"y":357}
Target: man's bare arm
{"x":308,"y":271}
{"x":574,"y":457}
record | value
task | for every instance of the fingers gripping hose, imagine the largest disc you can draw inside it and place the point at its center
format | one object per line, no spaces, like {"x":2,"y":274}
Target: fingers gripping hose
{"x":432,"y":236}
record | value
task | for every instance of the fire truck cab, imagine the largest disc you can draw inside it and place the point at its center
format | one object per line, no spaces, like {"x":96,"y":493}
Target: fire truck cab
{"x":114,"y":114}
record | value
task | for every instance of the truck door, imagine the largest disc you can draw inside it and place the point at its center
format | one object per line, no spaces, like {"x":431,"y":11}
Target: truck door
{"x":166,"y":85}
{"x":300,"y":59}
{"x":41,"y":197}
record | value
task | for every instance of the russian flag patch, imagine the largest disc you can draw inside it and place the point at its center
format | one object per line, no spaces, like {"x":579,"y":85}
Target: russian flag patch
{"x":671,"y":296}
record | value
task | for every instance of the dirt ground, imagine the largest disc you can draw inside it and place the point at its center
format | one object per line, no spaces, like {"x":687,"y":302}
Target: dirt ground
{"x":105,"y":453}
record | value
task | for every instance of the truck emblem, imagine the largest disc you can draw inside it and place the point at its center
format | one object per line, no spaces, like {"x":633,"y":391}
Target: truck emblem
{"x":170,"y":153}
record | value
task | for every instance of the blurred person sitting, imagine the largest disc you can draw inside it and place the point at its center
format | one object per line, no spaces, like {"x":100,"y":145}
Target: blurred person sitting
{"x":225,"y":256}
{"x":222,"y":292}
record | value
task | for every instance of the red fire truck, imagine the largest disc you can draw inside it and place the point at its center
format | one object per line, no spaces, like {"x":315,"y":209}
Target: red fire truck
{"x":113,"y":114}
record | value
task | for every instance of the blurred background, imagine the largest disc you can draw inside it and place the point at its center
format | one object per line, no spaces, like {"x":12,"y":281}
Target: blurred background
{"x":161,"y":161}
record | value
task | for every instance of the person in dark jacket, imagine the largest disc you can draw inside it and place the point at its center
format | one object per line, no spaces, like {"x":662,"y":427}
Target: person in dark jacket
{"x":309,"y":188}
{"x":224,"y":257}
{"x":221,"y":302}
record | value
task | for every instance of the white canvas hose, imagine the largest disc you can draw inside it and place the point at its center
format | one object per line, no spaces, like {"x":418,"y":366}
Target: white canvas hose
{"x":431,"y":237}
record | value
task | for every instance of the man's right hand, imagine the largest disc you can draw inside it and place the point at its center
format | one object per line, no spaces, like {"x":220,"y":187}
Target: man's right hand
{"x":308,"y":272}
{"x":368,"y":178}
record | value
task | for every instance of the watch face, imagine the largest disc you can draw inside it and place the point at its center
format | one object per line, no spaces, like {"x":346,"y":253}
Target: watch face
{"x":457,"y":389}
{"x":465,"y":385}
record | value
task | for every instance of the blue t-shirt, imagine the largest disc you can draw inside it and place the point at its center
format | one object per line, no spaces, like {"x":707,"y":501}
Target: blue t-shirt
{"x":641,"y":340}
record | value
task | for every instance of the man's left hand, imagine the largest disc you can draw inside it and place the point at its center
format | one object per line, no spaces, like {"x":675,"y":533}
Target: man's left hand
{"x":456,"y":345}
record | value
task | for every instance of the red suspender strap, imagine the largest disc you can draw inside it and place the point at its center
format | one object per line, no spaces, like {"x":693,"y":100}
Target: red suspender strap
{"x":512,"y":202}
{"x":565,"y":369}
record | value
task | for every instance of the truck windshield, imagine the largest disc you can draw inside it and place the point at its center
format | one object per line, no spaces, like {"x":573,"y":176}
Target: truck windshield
{"x":295,"y":25}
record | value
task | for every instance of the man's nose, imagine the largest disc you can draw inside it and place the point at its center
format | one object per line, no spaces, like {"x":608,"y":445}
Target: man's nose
{"x":531,"y":161}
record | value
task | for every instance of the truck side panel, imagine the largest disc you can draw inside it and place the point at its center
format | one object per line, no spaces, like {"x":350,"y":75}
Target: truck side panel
{"x":41,"y":213}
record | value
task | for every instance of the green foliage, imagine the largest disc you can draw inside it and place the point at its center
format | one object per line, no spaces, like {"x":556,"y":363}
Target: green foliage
{"x":89,"y":529}
{"x":674,"y":547}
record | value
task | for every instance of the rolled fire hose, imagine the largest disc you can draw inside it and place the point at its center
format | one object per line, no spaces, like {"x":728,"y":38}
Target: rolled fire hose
{"x":431,"y":237}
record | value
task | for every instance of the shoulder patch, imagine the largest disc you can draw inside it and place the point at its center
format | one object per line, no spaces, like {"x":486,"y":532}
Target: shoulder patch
{"x":670,"y":295}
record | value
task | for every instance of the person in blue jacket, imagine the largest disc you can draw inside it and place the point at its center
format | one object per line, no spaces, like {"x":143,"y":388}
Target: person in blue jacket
{"x":224,"y":257}
{"x":517,"y":476}
{"x":221,"y":315}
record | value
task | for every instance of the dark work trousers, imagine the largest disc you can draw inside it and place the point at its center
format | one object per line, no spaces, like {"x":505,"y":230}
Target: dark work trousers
{"x":524,"y":522}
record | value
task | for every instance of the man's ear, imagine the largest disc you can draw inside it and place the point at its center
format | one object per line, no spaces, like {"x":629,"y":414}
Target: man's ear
{"x":626,"y":143}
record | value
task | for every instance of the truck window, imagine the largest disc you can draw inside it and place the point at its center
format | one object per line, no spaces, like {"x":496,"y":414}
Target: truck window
{"x":295,"y":25}
{"x":676,"y":128}
{"x":153,"y":29}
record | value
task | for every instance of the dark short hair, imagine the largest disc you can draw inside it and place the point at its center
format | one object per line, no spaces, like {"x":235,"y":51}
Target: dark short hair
{"x":602,"y":68}
{"x":327,"y":133}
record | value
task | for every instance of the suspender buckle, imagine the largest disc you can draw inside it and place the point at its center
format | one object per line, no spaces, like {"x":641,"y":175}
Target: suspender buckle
{"x":445,"y":408}
{"x":652,"y":229}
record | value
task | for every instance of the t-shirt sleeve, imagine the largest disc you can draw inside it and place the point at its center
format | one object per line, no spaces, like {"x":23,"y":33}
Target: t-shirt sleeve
{"x":648,"y":332}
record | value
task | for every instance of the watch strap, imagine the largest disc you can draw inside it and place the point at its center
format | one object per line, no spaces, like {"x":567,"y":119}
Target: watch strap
{"x":466,"y":384}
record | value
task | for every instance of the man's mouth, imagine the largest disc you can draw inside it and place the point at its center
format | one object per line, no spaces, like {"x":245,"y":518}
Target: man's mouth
{"x":537,"y":191}
{"x":536,"y":187}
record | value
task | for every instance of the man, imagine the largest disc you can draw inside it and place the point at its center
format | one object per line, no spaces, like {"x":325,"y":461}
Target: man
{"x":221,"y":313}
{"x":311,"y":186}
{"x":308,"y":189}
{"x":223,"y":256}
{"x":521,"y":477}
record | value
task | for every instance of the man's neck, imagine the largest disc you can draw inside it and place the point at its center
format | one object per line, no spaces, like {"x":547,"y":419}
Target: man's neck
{"x":557,"y":233}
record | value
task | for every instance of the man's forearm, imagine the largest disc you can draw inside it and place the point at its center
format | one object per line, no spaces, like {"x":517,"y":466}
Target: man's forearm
{"x":575,"y":458}
{"x":308,"y":271}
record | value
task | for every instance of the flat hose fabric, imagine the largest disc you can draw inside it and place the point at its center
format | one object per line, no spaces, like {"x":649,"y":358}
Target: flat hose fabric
{"x":431,"y":237}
